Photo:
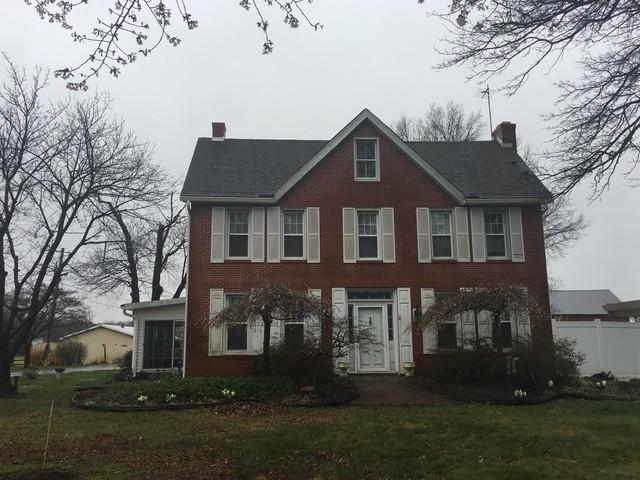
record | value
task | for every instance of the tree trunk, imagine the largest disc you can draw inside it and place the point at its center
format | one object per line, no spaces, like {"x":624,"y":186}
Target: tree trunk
{"x":180,"y":287}
{"x":497,"y":331}
{"x":477,"y":327}
{"x":266,"y":344}
{"x":156,"y":287}
{"x":5,"y":375}
{"x":132,"y":265}
{"x":27,"y":354}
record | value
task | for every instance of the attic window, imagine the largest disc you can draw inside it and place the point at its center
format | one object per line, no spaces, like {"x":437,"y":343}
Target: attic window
{"x":367,"y":165}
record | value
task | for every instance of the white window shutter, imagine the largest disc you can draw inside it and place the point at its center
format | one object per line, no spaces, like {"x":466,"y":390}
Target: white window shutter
{"x":477,"y":234}
{"x":466,"y":328}
{"x":313,"y":235}
{"x":277,"y":333}
{"x":388,"y":235}
{"x":257,"y":234}
{"x":349,"y":235}
{"x":429,"y":334}
{"x":485,"y":327}
{"x":216,"y":304}
{"x":522,"y":324}
{"x":424,"y":235}
{"x":273,"y":234}
{"x":218,"y":220}
{"x":315,"y":323}
{"x":462,"y":234}
{"x":405,"y":326}
{"x":339,"y":306}
{"x":517,"y":241}
{"x":255,"y":333}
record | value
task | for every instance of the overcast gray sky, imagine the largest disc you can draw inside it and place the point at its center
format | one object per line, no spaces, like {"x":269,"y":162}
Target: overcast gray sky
{"x":372,"y":53}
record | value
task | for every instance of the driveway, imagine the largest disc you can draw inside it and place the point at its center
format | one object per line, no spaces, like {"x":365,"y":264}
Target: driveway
{"x":86,"y":368}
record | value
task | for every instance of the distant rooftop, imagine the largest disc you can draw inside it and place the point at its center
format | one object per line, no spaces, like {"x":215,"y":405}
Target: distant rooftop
{"x":581,"y":302}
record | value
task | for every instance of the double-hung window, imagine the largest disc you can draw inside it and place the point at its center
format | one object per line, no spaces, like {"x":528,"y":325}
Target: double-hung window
{"x":368,"y":242}
{"x":441,"y":239}
{"x":495,"y":233}
{"x":447,"y":336}
{"x":293,"y":234}
{"x":294,"y":335}
{"x":367,"y":163}
{"x":502,"y":334}
{"x":237,"y":333}
{"x":447,"y":331}
{"x":238,"y":228}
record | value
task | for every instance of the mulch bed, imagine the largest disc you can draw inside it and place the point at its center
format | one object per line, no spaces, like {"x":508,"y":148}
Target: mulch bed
{"x":333,"y":393}
{"x":501,"y":395}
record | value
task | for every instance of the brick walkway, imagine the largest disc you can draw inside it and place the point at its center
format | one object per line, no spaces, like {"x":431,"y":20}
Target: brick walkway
{"x":393,"y":390}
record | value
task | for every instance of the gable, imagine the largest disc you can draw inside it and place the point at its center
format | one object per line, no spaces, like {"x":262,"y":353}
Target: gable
{"x":263,"y":171}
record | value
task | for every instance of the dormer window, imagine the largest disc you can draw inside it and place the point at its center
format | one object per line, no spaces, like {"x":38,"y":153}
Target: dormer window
{"x":367,"y":161}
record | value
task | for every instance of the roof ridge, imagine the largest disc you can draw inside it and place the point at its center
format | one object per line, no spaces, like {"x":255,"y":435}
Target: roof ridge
{"x":266,"y":140}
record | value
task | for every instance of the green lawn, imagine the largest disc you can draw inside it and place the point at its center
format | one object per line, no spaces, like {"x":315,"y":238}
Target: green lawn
{"x":567,"y":439}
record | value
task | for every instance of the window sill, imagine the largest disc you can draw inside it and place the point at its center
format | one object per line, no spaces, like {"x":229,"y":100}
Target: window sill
{"x":366,"y":180}
{"x":293,"y":260}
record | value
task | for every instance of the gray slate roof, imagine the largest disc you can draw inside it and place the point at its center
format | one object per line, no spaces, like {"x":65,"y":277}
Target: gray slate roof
{"x":256,"y":168}
{"x":580,"y":302}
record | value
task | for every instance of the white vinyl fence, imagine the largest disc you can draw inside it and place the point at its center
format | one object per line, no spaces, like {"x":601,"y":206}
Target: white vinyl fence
{"x":608,"y":346}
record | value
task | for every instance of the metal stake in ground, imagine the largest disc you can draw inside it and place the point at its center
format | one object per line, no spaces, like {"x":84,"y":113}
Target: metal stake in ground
{"x":46,"y":443}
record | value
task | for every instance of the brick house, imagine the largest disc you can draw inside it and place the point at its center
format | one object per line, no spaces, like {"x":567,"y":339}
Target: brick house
{"x":375,"y":226}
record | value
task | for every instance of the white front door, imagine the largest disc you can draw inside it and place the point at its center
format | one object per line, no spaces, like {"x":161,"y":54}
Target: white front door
{"x":373,"y":358}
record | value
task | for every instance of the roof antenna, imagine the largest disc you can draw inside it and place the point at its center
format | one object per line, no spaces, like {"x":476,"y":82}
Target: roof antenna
{"x":487,"y":92}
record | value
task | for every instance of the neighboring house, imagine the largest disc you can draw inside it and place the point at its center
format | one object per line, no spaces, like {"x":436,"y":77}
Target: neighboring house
{"x":375,"y":226}
{"x":624,"y":311}
{"x":105,"y":343}
{"x":581,"y":305}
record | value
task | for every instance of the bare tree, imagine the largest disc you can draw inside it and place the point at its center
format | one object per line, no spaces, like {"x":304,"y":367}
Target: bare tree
{"x":144,"y":249}
{"x":597,"y":120}
{"x":66,"y":315}
{"x":265,"y":305}
{"x":500,"y":301}
{"x":563,"y":224}
{"x":63,"y":165}
{"x":128,"y":29}
{"x":449,"y":123}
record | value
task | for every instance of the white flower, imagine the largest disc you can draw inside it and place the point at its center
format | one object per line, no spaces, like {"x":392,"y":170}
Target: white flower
{"x":142,"y":398}
{"x":603,"y":383}
{"x":171,"y":397}
{"x":598,"y":384}
{"x":550,"y":383}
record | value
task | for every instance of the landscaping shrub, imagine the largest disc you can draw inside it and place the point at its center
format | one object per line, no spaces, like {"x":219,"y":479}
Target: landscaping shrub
{"x":70,"y":353}
{"x":303,"y":363}
{"x":173,"y":389}
{"x":38,"y":355}
{"x":557,"y":360}
{"x":126,"y":360}
{"x":469,"y":366}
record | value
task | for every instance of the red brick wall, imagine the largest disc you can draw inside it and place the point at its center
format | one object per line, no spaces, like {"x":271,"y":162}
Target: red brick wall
{"x":331,"y":187}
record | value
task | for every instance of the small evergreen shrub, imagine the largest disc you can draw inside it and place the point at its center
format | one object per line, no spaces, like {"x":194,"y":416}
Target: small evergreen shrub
{"x":556,"y":360}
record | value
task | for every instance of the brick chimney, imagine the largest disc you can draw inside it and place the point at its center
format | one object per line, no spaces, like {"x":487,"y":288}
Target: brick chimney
{"x":218,"y":131}
{"x":505,"y":135}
